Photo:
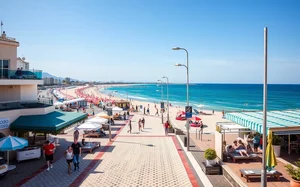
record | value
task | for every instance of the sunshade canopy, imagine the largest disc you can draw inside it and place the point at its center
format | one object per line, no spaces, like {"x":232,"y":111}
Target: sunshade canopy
{"x":11,"y":143}
{"x":117,"y":109}
{"x":50,"y":123}
{"x":276,"y":120}
{"x":89,"y":126}
{"x":98,"y":120}
{"x":195,"y":118}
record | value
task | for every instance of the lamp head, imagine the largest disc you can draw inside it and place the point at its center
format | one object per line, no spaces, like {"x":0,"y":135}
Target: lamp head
{"x":179,"y":65}
{"x":164,"y":77}
{"x":176,"y":48}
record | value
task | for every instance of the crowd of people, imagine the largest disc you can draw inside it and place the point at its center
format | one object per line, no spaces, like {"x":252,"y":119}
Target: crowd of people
{"x":141,"y":125}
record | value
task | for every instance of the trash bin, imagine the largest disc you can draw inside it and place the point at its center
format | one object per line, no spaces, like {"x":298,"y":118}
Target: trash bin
{"x":185,"y":141}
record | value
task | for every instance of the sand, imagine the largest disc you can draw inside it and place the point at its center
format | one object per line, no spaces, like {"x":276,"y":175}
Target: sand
{"x":209,"y":121}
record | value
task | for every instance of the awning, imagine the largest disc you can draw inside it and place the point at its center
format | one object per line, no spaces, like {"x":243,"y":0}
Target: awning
{"x":276,"y":120}
{"x":51,"y":122}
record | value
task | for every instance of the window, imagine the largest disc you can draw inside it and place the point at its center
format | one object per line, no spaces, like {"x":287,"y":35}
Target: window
{"x":4,"y":68}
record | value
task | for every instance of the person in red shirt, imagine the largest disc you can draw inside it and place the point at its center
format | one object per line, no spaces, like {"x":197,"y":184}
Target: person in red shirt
{"x":49,"y":149}
{"x":167,"y":125}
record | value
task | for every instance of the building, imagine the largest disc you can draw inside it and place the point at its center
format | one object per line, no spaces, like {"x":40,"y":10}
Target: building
{"x":21,"y":63}
{"x":67,"y":80}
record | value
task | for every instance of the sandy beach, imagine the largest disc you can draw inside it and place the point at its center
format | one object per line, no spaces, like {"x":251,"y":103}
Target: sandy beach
{"x":209,"y":121}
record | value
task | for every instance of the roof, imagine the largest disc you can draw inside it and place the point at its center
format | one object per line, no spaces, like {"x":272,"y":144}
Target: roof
{"x":276,"y":120}
{"x":51,"y":122}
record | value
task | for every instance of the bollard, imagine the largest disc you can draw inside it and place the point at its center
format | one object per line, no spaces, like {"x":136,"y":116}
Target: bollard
{"x":185,"y":141}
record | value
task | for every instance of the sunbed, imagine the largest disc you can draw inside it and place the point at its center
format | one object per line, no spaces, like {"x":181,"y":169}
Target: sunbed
{"x":237,"y":156}
{"x":247,"y":173}
{"x":90,"y":146}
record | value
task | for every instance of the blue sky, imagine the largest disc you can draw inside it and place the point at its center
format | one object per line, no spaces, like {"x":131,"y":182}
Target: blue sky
{"x":131,"y":40}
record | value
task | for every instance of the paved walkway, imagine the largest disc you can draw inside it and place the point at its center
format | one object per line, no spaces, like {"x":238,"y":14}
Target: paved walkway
{"x":146,"y":158}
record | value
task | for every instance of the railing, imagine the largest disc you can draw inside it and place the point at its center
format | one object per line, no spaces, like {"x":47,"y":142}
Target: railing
{"x":8,"y":39}
{"x":13,"y":105}
{"x":20,"y":74}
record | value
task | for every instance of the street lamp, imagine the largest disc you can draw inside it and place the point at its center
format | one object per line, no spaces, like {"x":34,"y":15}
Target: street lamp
{"x":162,"y":99}
{"x":187,"y":90}
{"x":164,"y":77}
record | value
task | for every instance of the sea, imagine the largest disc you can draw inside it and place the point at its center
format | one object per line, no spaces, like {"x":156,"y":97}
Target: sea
{"x":228,"y":97}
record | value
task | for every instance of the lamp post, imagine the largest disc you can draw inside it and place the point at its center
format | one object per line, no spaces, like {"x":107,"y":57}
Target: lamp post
{"x":264,"y":160}
{"x":168,"y":114}
{"x":187,"y":90}
{"x":162,"y":99}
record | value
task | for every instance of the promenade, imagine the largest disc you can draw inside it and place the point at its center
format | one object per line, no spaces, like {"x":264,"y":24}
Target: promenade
{"x":146,"y":158}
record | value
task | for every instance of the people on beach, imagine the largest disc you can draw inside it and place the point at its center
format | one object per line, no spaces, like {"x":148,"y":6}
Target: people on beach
{"x":49,"y":149}
{"x":144,"y":110}
{"x":213,"y":112}
{"x":148,"y":111}
{"x":167,"y":125}
{"x":143,"y":122}
{"x":130,"y":127}
{"x":76,"y":135}
{"x":156,"y":114}
{"x":69,"y":157}
{"x":77,"y":154}
{"x":140,"y":125}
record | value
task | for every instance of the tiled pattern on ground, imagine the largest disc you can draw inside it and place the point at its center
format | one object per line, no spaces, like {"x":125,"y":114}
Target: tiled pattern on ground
{"x":136,"y":161}
{"x":58,"y":176}
{"x":216,"y":180}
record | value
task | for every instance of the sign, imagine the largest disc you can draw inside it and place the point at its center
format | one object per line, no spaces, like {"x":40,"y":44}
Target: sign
{"x":4,"y":123}
{"x":162,"y":105}
{"x":188,"y":112}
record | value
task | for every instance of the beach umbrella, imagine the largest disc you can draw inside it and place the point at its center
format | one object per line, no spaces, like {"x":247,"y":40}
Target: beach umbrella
{"x":270,"y":154}
{"x":89,"y":126}
{"x":58,"y":103}
{"x":11,"y":143}
{"x":103,"y":115}
{"x":117,"y":109}
{"x":98,"y":120}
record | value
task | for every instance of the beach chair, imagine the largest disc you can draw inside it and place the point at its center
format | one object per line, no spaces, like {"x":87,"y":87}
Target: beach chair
{"x":247,"y":173}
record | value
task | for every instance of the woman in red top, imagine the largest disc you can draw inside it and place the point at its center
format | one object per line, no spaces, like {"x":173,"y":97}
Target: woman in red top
{"x":167,"y":125}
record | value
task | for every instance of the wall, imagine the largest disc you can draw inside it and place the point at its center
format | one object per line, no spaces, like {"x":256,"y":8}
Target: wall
{"x":10,"y":93}
{"x":29,"y":93}
{"x":8,"y":50}
{"x":218,"y":144}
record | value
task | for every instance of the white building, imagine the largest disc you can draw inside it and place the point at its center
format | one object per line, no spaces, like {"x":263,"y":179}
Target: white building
{"x":21,"y":63}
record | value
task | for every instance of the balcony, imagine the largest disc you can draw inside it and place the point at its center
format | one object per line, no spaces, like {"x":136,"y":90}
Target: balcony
{"x":20,"y":77}
{"x":14,"y":105}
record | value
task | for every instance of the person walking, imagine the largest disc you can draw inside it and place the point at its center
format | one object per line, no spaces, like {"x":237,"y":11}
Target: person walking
{"x":140,"y":125}
{"x":77,"y":154}
{"x":143,"y":122}
{"x":130,"y":127}
{"x":76,"y":135}
{"x":49,"y":149}
{"x":156,"y":114}
{"x":144,"y":110}
{"x":167,"y":125}
{"x":69,"y":157}
{"x":148,"y":111}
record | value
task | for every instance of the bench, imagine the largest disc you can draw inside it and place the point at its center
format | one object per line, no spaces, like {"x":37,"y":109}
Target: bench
{"x":247,"y":173}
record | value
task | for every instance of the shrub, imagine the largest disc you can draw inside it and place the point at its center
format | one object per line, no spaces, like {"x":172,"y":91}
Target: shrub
{"x":210,"y":154}
{"x":277,"y":140}
{"x":294,"y":172}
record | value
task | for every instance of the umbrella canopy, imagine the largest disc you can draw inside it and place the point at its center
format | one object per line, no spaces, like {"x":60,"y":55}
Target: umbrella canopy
{"x":195,"y":118}
{"x":11,"y":143}
{"x":270,"y":155}
{"x":102,"y":115}
{"x":98,"y":120}
{"x":89,"y":126}
{"x":117,"y":109}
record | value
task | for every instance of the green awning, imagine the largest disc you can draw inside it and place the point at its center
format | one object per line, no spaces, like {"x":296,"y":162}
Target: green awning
{"x":51,"y":122}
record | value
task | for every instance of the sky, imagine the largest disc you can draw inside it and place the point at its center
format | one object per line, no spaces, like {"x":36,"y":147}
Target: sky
{"x":132,"y":40}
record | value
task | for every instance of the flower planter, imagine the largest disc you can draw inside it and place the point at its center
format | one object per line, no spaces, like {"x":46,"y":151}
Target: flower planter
{"x":277,"y":150}
{"x":294,"y":183}
{"x":210,"y":162}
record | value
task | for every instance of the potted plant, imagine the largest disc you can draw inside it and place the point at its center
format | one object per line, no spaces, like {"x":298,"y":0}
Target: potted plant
{"x":210,"y":156}
{"x":277,"y":141}
{"x":294,"y":173}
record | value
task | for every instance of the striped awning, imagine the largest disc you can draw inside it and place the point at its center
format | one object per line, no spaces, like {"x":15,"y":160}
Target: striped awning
{"x":275,"y":119}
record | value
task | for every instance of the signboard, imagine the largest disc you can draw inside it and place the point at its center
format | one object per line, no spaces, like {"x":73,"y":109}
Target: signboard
{"x":4,"y":123}
{"x":162,"y":105}
{"x":188,"y":111}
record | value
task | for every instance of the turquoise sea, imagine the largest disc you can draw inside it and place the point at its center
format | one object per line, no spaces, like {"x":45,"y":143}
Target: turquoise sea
{"x":217,"y":96}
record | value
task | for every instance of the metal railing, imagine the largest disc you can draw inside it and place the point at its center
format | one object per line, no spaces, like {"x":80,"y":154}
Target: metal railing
{"x":21,"y":74}
{"x":13,"y":105}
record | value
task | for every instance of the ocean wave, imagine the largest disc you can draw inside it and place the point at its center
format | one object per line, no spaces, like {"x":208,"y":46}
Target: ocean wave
{"x":138,"y":98}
